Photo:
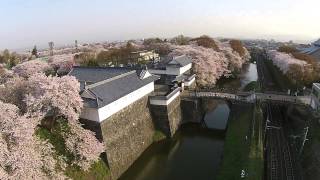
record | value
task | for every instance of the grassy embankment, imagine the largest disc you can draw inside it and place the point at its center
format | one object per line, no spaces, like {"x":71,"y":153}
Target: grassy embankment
{"x":241,"y":153}
{"x":98,"y":171}
{"x":310,"y":159}
{"x":252,"y":86}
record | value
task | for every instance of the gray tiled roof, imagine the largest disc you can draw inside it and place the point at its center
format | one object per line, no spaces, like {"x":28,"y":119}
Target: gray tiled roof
{"x":183,"y":60}
{"x":96,"y":74}
{"x":110,"y":84}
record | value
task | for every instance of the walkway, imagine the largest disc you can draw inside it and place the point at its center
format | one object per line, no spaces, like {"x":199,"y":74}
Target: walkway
{"x":251,"y":97}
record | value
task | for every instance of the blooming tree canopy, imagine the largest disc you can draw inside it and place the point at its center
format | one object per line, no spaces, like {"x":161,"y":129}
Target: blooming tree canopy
{"x":210,"y":64}
{"x":60,"y":96}
{"x":284,"y":60}
{"x":55,"y":95}
{"x":84,"y":145}
{"x":28,"y":68}
{"x":296,"y":66}
{"x":23,"y":155}
{"x":62,"y":64}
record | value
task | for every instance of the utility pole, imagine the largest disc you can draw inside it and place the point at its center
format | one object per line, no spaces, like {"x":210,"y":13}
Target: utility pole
{"x":304,"y":139}
{"x":51,"y":44}
{"x":76,"y":44}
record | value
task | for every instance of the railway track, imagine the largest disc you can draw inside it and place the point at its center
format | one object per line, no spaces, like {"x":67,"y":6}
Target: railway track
{"x":279,"y":158}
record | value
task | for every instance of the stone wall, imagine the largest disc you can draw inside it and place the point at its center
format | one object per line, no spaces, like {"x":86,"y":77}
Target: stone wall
{"x":126,"y":135}
{"x":192,"y":111}
{"x":174,"y":115}
{"x":167,"y":118}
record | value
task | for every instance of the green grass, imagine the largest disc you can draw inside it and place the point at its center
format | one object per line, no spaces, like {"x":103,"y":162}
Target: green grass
{"x":239,"y":153}
{"x":252,"y":86}
{"x":236,"y":148}
{"x":309,"y":158}
{"x":54,"y":136}
{"x":98,"y":170}
{"x":255,"y":162}
{"x":158,"y":136}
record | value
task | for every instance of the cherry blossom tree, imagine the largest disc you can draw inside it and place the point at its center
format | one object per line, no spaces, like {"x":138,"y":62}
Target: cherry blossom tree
{"x":284,"y":60}
{"x":28,"y":68}
{"x":303,"y":70}
{"x":40,"y":96}
{"x":235,"y":56}
{"x":62,"y":64}
{"x":59,"y":96}
{"x":84,"y":145}
{"x":13,"y":91}
{"x":211,"y":64}
{"x":23,"y":155}
{"x":54,"y":95}
{"x":5,"y":74}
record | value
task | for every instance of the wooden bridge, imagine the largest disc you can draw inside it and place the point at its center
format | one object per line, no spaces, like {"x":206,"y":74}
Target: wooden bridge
{"x":250,"y":97}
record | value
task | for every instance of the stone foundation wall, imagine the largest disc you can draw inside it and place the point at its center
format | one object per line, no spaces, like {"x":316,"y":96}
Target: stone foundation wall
{"x":126,"y":135}
{"x":174,"y":115}
{"x":167,"y":118}
{"x":192,"y":111}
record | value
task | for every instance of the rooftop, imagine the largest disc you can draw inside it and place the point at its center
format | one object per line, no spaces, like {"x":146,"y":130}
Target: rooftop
{"x":181,"y":60}
{"x":96,"y":74}
{"x":108,"y":84}
{"x":178,"y":61}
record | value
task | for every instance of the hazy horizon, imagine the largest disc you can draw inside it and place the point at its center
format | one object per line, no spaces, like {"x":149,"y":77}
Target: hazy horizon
{"x":35,"y":22}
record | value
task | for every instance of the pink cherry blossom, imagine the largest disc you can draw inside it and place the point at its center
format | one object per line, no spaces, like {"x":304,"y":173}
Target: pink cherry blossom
{"x":210,"y":65}
{"x":284,"y":60}
{"x":28,"y":68}
{"x":62,"y":63}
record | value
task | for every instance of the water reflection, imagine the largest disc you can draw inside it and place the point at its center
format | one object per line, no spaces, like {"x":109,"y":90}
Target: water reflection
{"x":193,"y":153}
{"x":249,"y":74}
{"x":217,"y":118}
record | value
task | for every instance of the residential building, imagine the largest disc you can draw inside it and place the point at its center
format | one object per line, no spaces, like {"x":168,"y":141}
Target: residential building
{"x":315,"y":96}
{"x":174,"y":70}
{"x":106,"y":91}
{"x":144,"y":57}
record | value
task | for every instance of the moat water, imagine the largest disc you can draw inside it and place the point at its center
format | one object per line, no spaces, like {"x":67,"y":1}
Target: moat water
{"x":195,"y":152}
{"x":248,"y":75}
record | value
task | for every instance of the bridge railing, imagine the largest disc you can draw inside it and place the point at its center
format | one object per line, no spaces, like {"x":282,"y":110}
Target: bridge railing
{"x":252,"y":97}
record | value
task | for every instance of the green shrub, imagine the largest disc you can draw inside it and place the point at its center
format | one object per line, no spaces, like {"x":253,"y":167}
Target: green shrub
{"x":158,"y":136}
{"x":253,"y":85}
{"x":98,"y":171}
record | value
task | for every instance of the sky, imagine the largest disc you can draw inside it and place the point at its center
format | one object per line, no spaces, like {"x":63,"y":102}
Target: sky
{"x":25,"y":23}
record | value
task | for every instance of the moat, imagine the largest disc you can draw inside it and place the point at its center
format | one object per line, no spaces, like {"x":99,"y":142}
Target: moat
{"x":195,"y":151}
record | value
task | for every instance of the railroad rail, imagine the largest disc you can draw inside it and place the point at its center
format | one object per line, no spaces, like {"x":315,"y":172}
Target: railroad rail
{"x":278,"y":155}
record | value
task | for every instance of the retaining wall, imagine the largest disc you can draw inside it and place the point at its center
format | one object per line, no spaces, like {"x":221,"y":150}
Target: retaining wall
{"x":126,"y":135}
{"x":167,"y":118}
